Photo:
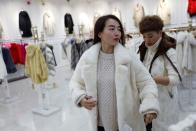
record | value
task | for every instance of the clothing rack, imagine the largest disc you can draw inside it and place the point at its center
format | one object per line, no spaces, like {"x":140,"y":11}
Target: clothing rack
{"x":17,"y":40}
{"x":11,"y":77}
{"x":190,"y":27}
{"x":178,"y":29}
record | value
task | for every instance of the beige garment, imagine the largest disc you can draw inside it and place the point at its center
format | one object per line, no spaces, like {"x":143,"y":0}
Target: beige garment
{"x":138,"y":14}
{"x":35,"y":65}
{"x":164,"y":11}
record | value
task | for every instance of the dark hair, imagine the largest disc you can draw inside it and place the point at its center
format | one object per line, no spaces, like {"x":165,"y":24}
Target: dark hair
{"x":151,"y":23}
{"x":100,"y":24}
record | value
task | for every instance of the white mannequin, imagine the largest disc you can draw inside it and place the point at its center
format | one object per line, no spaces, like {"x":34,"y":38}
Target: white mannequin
{"x":138,"y":14}
{"x":164,"y":12}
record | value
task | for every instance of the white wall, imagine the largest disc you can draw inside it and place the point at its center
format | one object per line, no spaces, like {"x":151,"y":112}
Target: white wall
{"x":9,"y":10}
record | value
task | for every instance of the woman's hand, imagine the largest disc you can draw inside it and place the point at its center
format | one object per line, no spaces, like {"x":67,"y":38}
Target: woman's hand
{"x":149,"y":117}
{"x":162,"y":80}
{"x":88,"y":102}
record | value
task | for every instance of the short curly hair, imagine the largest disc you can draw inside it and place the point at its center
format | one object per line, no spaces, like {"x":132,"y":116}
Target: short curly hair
{"x":151,"y":23}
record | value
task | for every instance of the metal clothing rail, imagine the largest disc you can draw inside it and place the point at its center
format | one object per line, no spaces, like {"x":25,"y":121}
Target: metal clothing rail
{"x":178,"y":29}
{"x":190,"y":27}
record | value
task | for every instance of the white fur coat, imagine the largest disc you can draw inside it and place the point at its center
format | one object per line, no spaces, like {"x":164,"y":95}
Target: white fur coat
{"x":133,"y":83}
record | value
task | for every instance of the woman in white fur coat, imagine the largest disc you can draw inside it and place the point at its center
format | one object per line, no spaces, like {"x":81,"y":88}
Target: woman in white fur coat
{"x":112,"y":84}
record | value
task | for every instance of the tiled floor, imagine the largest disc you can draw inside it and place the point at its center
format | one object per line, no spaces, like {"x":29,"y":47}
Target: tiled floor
{"x":18,"y":115}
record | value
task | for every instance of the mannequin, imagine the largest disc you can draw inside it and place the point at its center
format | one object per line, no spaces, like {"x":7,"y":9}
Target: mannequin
{"x":138,"y":14}
{"x":164,"y":12}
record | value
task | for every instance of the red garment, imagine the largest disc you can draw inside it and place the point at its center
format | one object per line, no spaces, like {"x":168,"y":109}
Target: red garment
{"x":18,"y":53}
{"x":192,"y":7}
{"x":14,"y":52}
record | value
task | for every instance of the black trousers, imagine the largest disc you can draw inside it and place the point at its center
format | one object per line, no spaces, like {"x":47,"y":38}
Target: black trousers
{"x":100,"y":128}
{"x":149,"y":127}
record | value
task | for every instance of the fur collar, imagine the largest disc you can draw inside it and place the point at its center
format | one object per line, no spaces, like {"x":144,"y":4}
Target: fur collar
{"x":121,"y":54}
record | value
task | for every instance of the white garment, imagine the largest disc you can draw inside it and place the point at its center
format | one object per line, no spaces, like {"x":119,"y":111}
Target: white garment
{"x":134,"y":43}
{"x":186,"y":49}
{"x":133,"y":83}
{"x":161,"y":66}
{"x":117,"y":13}
{"x":164,"y":11}
{"x":188,"y":124}
{"x":106,"y":92}
{"x":189,"y":59}
{"x":66,"y":57}
{"x":138,"y":14}
{"x":181,"y":38}
{"x":3,"y":70}
{"x":48,"y":24}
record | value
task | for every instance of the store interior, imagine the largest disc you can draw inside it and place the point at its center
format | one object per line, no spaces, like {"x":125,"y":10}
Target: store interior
{"x":29,"y":106}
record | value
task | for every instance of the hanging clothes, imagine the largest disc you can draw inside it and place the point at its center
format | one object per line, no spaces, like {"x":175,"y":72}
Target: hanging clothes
{"x":25,"y":24}
{"x":52,"y":49}
{"x":18,"y":53}
{"x":138,"y":14}
{"x":188,"y":59}
{"x":3,"y":70}
{"x":35,"y":65}
{"x":68,"y":21}
{"x":10,"y":66}
{"x":164,"y":11}
{"x":48,"y":24}
{"x":78,"y":49}
{"x":191,"y":7}
{"x":49,"y":58}
{"x":66,"y":56}
{"x":75,"y":54}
